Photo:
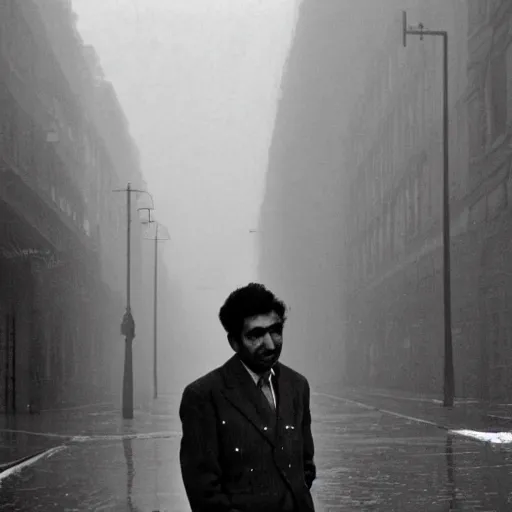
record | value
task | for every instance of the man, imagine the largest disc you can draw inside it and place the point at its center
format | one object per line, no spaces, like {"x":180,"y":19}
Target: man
{"x":247,"y":443}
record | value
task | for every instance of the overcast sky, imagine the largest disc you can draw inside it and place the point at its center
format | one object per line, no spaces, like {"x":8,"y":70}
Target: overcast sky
{"x":198,"y":80}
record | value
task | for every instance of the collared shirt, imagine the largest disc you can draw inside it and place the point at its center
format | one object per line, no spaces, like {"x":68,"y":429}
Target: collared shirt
{"x":256,"y":378}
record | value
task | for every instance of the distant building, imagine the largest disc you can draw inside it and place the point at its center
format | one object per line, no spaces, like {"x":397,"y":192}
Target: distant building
{"x":62,"y":240}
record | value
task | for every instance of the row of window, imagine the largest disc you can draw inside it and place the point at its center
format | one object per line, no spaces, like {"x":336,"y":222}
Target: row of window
{"x":403,"y":135}
{"x":74,"y":168}
{"x":395,"y":193}
{"x":480,"y":11}
{"x":26,"y":144}
{"x":416,"y":202}
{"x":490,"y":109}
{"x":23,"y":143}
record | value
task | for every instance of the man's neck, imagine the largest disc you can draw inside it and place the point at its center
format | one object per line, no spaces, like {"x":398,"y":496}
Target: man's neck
{"x":257,"y":375}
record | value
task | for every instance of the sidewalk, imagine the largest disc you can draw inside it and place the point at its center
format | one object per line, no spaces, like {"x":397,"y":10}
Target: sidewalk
{"x":466,"y":414}
{"x":26,"y":435}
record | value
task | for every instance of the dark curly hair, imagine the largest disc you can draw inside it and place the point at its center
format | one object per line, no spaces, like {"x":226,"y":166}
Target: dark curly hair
{"x":251,"y":300}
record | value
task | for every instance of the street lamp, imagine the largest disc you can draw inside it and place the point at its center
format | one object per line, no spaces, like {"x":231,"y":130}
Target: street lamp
{"x":128,"y":323}
{"x":449,"y":379}
{"x":161,"y":234}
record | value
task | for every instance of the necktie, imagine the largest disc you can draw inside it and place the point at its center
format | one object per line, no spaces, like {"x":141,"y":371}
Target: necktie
{"x":264,"y":385}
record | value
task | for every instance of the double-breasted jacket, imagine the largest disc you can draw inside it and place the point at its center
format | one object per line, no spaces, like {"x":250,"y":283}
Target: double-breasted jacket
{"x":236,"y":454}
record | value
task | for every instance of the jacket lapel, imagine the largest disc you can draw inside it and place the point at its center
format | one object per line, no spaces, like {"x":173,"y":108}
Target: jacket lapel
{"x":286,"y":397}
{"x":243,"y":394}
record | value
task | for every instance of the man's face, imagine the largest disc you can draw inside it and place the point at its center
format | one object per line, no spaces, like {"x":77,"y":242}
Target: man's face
{"x":261,"y":341}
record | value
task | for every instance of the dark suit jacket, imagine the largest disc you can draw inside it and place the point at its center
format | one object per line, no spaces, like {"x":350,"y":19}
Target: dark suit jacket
{"x":235,"y":455}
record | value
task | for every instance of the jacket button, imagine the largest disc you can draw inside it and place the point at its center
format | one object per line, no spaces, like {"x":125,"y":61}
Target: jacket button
{"x":265,"y":428}
{"x":237,"y":449}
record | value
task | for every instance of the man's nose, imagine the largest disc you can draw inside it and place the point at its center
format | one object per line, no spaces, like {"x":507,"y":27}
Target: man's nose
{"x":268,"y":342}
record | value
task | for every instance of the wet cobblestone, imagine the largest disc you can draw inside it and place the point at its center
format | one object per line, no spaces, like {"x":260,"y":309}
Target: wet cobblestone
{"x":366,"y":460}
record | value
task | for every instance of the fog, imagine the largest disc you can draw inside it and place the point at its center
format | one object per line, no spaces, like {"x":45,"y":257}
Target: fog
{"x":240,"y":110}
{"x":298,"y":143}
{"x":302,"y":253}
{"x":198,"y":81}
{"x":358,"y":111}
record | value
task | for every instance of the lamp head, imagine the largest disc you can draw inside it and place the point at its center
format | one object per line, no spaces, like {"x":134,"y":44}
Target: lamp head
{"x":145,"y":216}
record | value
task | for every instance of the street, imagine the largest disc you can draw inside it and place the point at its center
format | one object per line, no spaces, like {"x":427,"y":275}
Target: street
{"x":366,"y":461}
{"x":167,"y":165}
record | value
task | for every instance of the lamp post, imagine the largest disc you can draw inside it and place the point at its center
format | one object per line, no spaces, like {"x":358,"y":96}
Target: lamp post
{"x":155,"y":312}
{"x":449,"y":379}
{"x":128,"y":322}
{"x":156,"y":239}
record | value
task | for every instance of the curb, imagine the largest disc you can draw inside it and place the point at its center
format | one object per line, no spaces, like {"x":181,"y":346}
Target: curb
{"x":8,"y":465}
{"x":6,"y":470}
{"x":446,"y":428}
{"x":493,"y":415}
{"x":385,"y":411}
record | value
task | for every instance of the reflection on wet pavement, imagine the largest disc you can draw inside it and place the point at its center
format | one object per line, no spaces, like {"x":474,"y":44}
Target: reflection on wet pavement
{"x":130,"y":473}
{"x":380,"y":462}
{"x":366,"y":461}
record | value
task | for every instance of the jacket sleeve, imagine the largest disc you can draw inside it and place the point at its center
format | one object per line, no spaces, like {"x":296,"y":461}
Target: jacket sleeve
{"x":307,"y":436}
{"x":199,"y":454}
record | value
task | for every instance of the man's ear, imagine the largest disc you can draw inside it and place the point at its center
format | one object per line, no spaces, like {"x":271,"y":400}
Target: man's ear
{"x":233,"y":342}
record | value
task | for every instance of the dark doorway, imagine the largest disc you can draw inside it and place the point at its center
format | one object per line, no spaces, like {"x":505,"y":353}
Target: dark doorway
{"x":8,"y":363}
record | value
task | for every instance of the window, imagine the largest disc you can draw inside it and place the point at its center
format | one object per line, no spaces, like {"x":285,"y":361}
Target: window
{"x":402,"y":218}
{"x":390,"y":73}
{"x":410,"y":123}
{"x":508,"y":63}
{"x":398,"y":225}
{"x":363,"y":259}
{"x":407,"y":205}
{"x":416,"y":199}
{"x":420,"y":98}
{"x":375,"y":185}
{"x":412,"y":205}
{"x":476,"y":116}
{"x":375,"y":248}
{"x":392,"y":230}
{"x":389,"y":233}
{"x":498,"y":96}
{"x":369,"y":243}
{"x":477,"y":12}
{"x":494,"y":6}
{"x":380,"y":174}
{"x":381,"y":239}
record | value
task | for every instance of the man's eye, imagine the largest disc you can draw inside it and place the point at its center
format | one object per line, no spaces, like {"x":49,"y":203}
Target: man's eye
{"x":276,"y":330}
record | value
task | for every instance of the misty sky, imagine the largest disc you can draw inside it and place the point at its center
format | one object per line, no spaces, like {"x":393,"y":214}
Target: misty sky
{"x":198,"y":80}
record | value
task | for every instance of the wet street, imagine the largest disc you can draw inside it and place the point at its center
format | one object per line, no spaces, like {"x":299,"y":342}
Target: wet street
{"x":366,"y":461}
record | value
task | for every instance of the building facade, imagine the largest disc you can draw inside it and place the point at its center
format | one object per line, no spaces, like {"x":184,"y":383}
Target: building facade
{"x":489,"y":199}
{"x":393,"y":217}
{"x":351,"y":222}
{"x":62,"y":228}
{"x":393,"y":210}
